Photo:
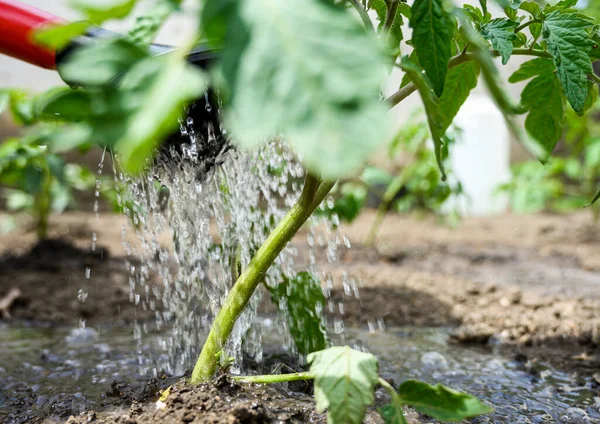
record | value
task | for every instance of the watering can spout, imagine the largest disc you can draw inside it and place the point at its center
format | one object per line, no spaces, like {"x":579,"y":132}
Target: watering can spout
{"x":18,"y":24}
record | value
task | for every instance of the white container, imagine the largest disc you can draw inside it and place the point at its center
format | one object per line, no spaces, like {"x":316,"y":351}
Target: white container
{"x":480,"y":158}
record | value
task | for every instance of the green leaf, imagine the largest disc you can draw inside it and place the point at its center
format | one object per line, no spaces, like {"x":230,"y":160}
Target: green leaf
{"x":430,"y":102}
{"x":405,"y":10}
{"x":165,"y":89}
{"x":99,"y":11}
{"x":433,"y":34}
{"x":21,"y":107}
{"x":101,"y":63}
{"x":327,"y":107}
{"x":543,"y":98}
{"x":441,"y":402}
{"x":216,"y":17}
{"x":532,"y":7}
{"x":570,"y":45}
{"x":460,"y":80}
{"x":65,"y":138}
{"x":147,"y":26}
{"x":302,"y":299}
{"x":595,"y":199}
{"x":344,"y":383}
{"x":58,"y":36}
{"x":500,"y":32}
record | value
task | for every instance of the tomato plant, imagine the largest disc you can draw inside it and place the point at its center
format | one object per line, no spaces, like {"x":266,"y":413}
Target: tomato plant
{"x":312,"y":70}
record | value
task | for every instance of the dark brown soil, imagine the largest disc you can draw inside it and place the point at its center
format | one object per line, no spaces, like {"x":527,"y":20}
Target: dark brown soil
{"x":221,"y":402}
{"x":530,"y":284}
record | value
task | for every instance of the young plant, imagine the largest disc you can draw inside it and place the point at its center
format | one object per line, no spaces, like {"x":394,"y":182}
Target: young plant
{"x":36,"y":178}
{"x":569,"y":180}
{"x":345,"y":380}
{"x":311,"y":70}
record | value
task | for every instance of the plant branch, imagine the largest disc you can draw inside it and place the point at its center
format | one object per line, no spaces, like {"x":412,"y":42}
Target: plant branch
{"x":391,"y":191}
{"x":459,"y":59}
{"x":313,"y":193}
{"x":391,"y":16}
{"x":595,"y":78}
{"x":273,"y":378}
{"x":396,"y":400}
{"x":526,"y":24}
{"x":363,"y":14}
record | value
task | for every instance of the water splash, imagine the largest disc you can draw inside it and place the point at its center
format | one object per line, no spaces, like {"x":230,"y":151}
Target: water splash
{"x":217,"y":205}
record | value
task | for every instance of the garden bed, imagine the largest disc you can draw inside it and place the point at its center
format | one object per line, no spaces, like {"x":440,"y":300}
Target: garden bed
{"x":526,"y":288}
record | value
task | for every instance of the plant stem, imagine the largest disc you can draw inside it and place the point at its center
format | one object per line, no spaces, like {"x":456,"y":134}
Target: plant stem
{"x":391,"y":16}
{"x":273,"y":378}
{"x":312,"y":195}
{"x":525,"y":25}
{"x":396,"y":401}
{"x":461,"y":58}
{"x":391,"y":191}
{"x":363,"y":14}
{"x":42,"y":204}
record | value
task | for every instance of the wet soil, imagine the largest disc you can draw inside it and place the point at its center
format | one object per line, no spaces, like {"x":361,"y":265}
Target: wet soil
{"x":530,"y":284}
{"x":527,"y":284}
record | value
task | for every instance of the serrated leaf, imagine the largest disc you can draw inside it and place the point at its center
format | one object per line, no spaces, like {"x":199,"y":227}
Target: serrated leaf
{"x":405,"y":10}
{"x":543,"y":98}
{"x":99,"y":11}
{"x":570,"y":45}
{"x":344,"y":383}
{"x":165,"y":88}
{"x":531,"y":7}
{"x":302,"y":300}
{"x":460,"y":80}
{"x":430,"y":102}
{"x":328,"y":107}
{"x":490,"y":75}
{"x":101,"y":63}
{"x":58,"y":36}
{"x":432,"y":37}
{"x":500,"y":32}
{"x":441,"y":402}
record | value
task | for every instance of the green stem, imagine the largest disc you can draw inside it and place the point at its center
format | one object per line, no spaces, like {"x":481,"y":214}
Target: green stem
{"x":42,"y":204}
{"x":312,"y":195}
{"x":391,"y":16}
{"x":391,"y":191}
{"x":273,"y":378}
{"x":363,"y":14}
{"x":396,"y":400}
{"x":459,"y":59}
{"x":525,"y":25}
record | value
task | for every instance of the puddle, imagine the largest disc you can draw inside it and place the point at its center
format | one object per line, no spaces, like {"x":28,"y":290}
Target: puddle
{"x":58,"y":371}
{"x":519,"y":392}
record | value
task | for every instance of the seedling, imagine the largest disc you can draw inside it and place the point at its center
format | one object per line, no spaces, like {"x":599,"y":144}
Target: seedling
{"x":312,"y":70}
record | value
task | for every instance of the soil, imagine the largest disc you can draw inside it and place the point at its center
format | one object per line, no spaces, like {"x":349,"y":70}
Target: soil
{"x":529,"y":284}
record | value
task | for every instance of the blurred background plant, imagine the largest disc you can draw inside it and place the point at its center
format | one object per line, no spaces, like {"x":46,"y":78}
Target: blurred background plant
{"x":35,"y":175}
{"x":413,"y":185}
{"x":569,"y":180}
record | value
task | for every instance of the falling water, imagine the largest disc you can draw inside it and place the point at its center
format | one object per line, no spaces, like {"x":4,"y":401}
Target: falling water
{"x":217,"y":217}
